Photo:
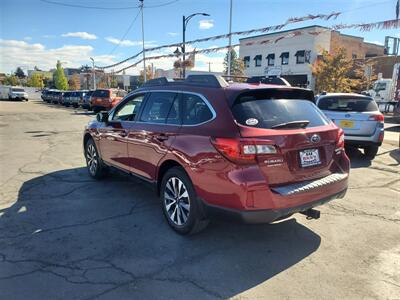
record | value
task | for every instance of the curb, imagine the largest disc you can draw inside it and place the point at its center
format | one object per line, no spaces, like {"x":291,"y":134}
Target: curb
{"x":392,"y":142}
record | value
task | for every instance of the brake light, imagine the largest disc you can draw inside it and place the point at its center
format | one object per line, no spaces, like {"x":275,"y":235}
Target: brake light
{"x":340,"y":140}
{"x":378,"y":118}
{"x":242,"y":151}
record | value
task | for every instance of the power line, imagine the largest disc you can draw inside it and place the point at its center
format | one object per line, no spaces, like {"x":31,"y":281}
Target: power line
{"x":125,"y":34}
{"x":88,"y":7}
{"x":161,"y":5}
{"x":104,"y":7}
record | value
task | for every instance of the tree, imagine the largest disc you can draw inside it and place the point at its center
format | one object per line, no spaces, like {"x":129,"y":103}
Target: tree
{"x":74,"y":82}
{"x":332,"y":72}
{"x":11,"y":80}
{"x":364,"y":75}
{"x":237,"y":65}
{"x":149,"y":75}
{"x":19,"y":73}
{"x":60,"y":80}
{"x":36,"y":80}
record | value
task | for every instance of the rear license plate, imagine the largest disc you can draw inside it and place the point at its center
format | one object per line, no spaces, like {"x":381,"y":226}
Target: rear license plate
{"x":346,"y":124}
{"x":309,"y":157}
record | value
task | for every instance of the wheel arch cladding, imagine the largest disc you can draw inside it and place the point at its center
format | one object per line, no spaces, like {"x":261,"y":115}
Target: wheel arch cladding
{"x":163,"y":168}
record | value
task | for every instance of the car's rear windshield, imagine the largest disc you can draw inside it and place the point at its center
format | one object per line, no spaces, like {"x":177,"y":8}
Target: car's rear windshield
{"x":101,"y":93}
{"x":275,"y":113}
{"x":358,"y":104}
{"x":18,"y":90}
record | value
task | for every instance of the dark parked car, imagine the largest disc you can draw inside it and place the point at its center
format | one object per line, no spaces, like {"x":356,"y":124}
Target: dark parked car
{"x":85,"y":101}
{"x":258,"y":152}
{"x":76,"y":97}
{"x":66,"y":99}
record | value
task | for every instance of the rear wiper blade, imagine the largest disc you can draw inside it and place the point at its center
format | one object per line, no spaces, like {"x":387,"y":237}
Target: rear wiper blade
{"x":293,"y":124}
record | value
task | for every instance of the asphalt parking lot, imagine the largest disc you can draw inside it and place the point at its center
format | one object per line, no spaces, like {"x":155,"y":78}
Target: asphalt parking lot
{"x":66,"y":236}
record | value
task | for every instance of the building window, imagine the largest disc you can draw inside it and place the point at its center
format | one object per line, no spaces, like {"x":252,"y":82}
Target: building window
{"x":257,"y":60}
{"x":246,"y":61}
{"x":354,"y":56}
{"x":300,"y":57}
{"x":271,"y":59}
{"x":285,"y":58}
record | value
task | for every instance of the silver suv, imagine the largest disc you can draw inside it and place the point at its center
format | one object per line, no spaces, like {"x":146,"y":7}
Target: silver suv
{"x":358,"y":116}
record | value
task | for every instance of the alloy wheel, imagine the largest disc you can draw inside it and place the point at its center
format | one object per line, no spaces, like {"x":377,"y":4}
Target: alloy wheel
{"x":92,"y":161}
{"x":177,"y":201}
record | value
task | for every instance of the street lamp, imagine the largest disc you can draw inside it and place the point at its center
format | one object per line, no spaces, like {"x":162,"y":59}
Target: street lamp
{"x":185,"y":21}
{"x":94,"y":74}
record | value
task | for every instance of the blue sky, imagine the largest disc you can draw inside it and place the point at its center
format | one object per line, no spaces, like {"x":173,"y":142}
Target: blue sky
{"x":33,"y":32}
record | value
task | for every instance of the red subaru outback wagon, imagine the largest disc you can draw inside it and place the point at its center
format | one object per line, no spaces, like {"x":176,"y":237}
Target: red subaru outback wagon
{"x":255,"y":151}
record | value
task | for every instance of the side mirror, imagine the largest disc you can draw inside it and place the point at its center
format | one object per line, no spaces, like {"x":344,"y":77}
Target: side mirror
{"x":102,"y":117}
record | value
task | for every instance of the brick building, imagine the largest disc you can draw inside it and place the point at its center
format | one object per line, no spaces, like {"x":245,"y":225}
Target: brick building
{"x":290,"y":53}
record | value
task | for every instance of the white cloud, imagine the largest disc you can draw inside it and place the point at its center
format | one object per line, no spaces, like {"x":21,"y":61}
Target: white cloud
{"x":80,"y":34}
{"x":129,"y":43}
{"x":173,"y":33}
{"x":27,"y":38}
{"x":48,"y":36}
{"x":15,"y":53}
{"x":206,"y":24}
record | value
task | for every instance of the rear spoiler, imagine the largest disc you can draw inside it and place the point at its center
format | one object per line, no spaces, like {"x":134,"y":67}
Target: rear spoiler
{"x":276,"y":93}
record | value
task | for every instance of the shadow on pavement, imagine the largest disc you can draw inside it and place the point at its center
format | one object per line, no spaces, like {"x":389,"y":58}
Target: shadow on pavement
{"x":69,"y":235}
{"x":393,"y":128}
{"x":357,"y":158}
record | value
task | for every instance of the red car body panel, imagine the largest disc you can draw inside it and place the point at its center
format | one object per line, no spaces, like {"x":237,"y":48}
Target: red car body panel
{"x":142,"y":148}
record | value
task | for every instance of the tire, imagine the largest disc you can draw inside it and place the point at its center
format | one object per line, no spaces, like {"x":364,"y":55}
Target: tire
{"x":371,"y":151}
{"x":183,"y":214}
{"x":95,"y":166}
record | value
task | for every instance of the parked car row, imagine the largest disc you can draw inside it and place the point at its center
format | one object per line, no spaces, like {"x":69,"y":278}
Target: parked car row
{"x":96,"y":100}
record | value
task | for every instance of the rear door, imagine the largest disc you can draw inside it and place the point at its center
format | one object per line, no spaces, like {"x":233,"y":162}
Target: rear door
{"x":304,"y":138}
{"x":352,"y":114}
{"x":154,"y":132}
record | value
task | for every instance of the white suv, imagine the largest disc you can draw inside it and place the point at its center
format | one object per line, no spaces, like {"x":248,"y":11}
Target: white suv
{"x":17,"y":94}
{"x":358,"y":116}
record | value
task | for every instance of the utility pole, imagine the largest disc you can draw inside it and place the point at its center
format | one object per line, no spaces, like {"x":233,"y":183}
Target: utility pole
{"x":183,"y":47}
{"x":94,"y":73}
{"x":209,"y":66}
{"x":144,"y":54}
{"x":230,"y":40}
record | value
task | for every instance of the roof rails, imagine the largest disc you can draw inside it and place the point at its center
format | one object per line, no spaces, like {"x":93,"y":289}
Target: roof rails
{"x":156,"y":81}
{"x":268,"y":80}
{"x":208,"y":80}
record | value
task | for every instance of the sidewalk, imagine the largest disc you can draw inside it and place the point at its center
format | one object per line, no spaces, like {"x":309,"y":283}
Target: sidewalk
{"x":392,"y":133}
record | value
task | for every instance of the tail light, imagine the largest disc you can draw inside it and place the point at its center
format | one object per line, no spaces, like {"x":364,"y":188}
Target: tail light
{"x":378,"y":118}
{"x":340,"y":140}
{"x":242,"y":151}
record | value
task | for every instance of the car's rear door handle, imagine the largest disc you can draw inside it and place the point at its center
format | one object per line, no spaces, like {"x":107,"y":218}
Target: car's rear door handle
{"x":161,"y":137}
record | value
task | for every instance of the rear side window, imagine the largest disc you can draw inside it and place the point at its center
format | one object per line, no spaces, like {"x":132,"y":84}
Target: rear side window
{"x":195,"y":110}
{"x":271,"y":113}
{"x":101,"y":93}
{"x":159,"y":107}
{"x":347,"y":104}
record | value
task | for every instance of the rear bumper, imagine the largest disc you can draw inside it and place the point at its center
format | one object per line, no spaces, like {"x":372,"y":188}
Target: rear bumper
{"x":268,"y":215}
{"x":361,"y":141}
